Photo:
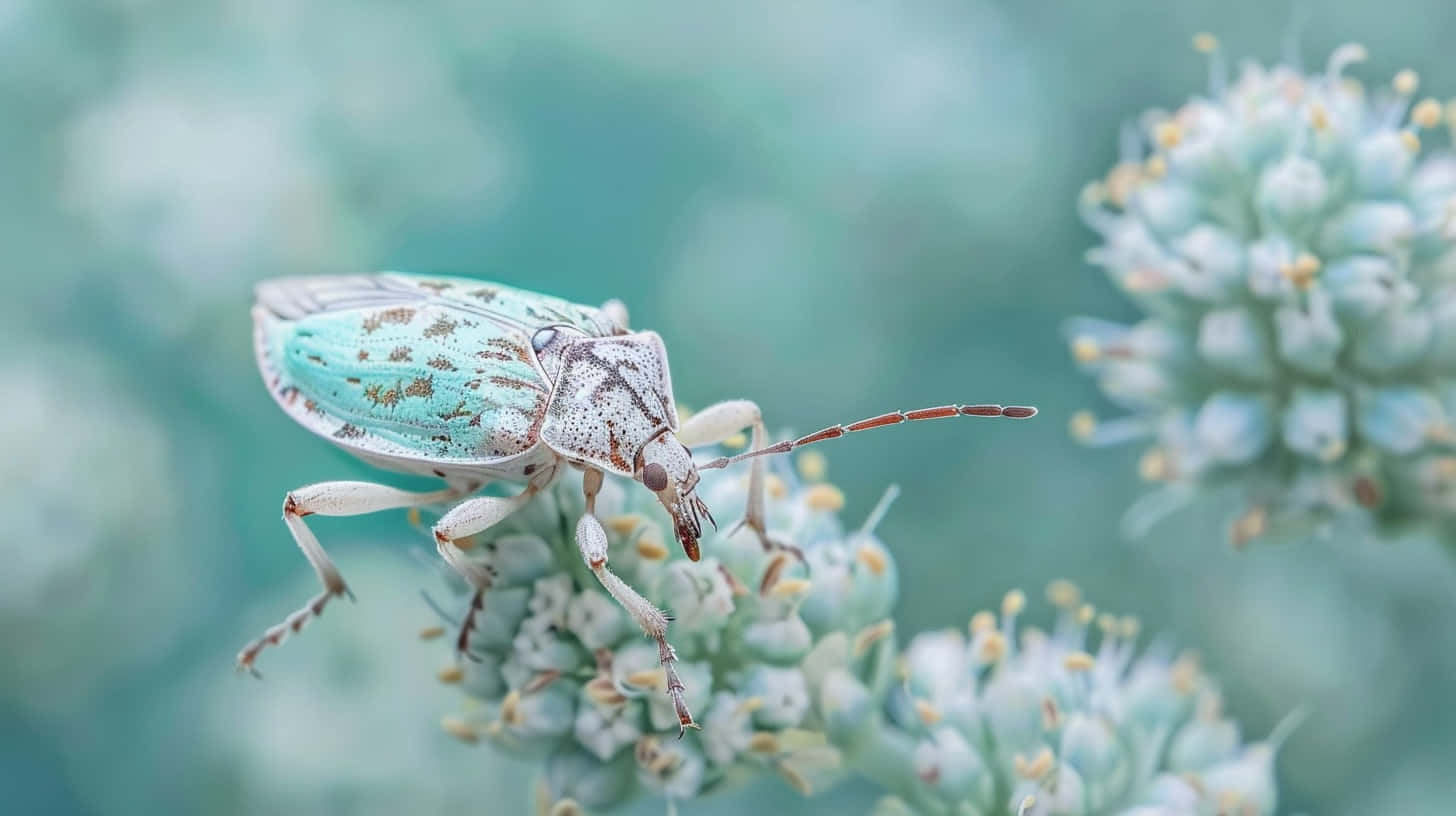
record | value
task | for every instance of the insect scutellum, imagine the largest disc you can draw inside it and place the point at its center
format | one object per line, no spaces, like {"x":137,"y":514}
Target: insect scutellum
{"x":474,"y":382}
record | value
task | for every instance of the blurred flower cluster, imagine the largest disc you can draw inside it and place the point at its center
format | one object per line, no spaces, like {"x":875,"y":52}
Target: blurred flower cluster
{"x":1290,"y":238}
{"x":783,"y":652}
{"x":789,"y":656}
{"x":1036,"y":723}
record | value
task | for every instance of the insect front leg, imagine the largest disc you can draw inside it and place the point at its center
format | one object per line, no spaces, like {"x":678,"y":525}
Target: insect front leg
{"x":466,"y":519}
{"x":617,"y":311}
{"x":591,"y":538}
{"x":716,"y":423}
{"x":330,"y":499}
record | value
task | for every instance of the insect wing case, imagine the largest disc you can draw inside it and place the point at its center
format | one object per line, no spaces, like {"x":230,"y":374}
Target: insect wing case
{"x":412,"y":372}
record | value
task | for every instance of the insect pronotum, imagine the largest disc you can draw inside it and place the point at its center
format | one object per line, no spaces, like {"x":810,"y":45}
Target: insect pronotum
{"x":474,"y":382}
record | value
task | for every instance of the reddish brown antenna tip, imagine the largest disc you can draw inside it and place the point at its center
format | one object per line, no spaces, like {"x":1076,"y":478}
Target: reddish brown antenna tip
{"x":1019,"y":411}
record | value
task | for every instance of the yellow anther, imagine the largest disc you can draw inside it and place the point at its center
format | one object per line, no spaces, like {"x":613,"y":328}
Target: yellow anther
{"x":460,"y":729}
{"x":824,"y":498}
{"x":1121,"y":181}
{"x":1027,"y":803}
{"x":1445,"y":468}
{"x":874,"y":559}
{"x":414,"y":516}
{"x":797,"y":780}
{"x":771,"y":573}
{"x":982,"y":621}
{"x":749,"y":705}
{"x":1155,"y":167}
{"x":1168,"y":134}
{"x":812,"y":466}
{"x":1205,"y":43}
{"x":775,"y":486}
{"x":1406,"y":82}
{"x":1051,"y":714}
{"x":1129,"y":627}
{"x":1184,"y":673}
{"x":1302,"y":270}
{"x":1037,"y":767}
{"x":1107,"y":623}
{"x":1410,"y":140}
{"x":567,"y":807}
{"x":993,"y":648}
{"x":1013,"y":603}
{"x":1086,"y":349}
{"x":650,"y":546}
{"x":764,"y":742}
{"x":1079,"y":662}
{"x":511,"y":709}
{"x":872,"y":634}
{"x":450,"y":675}
{"x":647,"y":678}
{"x":1426,"y":113}
{"x":1248,"y":527}
{"x":1144,"y":279}
{"x":928,"y":714}
{"x":603,"y":692}
{"x":1319,"y":116}
{"x":1153,"y":466}
{"x":1083,"y":425}
{"x":431,"y":632}
{"x":789,"y":587}
{"x":625,"y":523}
{"x":1063,"y":594}
{"x":1085,"y":614}
{"x":736,"y":441}
{"x":1333,"y":450}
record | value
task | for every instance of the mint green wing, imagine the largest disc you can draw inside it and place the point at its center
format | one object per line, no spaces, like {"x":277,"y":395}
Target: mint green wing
{"x":406,"y":369}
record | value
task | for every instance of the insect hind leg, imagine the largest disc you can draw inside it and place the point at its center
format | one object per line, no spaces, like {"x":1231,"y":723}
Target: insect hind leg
{"x":329,"y":499}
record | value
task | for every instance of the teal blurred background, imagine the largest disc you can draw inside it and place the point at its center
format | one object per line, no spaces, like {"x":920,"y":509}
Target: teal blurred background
{"x":832,"y":208}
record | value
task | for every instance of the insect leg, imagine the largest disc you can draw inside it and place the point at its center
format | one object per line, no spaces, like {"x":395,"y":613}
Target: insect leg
{"x":466,"y":519}
{"x":720,"y":421}
{"x":617,"y":311}
{"x":330,"y":499}
{"x":591,"y":538}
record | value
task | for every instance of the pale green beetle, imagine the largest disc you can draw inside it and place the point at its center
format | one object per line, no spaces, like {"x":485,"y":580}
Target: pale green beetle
{"x":474,"y":382}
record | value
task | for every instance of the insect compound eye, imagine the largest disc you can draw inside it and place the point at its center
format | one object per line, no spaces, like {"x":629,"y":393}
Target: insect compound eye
{"x":654,"y":477}
{"x":543,"y":338}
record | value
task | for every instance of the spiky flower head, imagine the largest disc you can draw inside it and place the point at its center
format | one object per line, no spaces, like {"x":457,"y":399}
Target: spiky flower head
{"x":1289,"y":236}
{"x":1032,"y":723}
{"x":784,"y":652}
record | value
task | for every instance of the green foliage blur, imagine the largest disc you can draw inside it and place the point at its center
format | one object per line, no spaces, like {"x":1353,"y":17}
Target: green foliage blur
{"x":834,"y":209}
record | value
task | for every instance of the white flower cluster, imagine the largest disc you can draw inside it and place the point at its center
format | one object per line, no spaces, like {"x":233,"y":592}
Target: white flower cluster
{"x":1035,"y":723}
{"x":786,"y":652}
{"x":1290,"y":238}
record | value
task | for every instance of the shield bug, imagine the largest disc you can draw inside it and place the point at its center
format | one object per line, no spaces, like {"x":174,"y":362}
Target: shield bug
{"x":473,"y":382}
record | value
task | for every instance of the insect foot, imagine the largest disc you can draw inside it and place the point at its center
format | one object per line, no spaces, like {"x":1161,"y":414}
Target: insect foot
{"x":752,"y":647}
{"x":1295,"y":358}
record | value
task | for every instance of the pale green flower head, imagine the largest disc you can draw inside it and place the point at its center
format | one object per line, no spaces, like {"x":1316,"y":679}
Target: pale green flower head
{"x":784,"y":652}
{"x":1011,"y":720}
{"x":1290,"y":237}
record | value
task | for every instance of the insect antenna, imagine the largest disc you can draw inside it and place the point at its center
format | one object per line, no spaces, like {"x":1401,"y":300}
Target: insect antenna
{"x":892,"y":418}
